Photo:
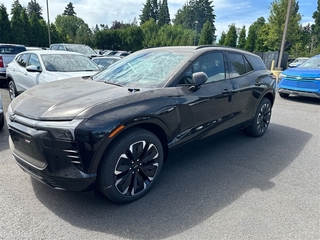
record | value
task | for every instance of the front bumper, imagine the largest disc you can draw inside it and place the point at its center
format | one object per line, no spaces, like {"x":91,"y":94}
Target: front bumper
{"x":55,"y":163}
{"x":299,"y":93}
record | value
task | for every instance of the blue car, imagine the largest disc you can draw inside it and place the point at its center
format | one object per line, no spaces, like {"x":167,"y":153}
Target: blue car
{"x":301,"y":81}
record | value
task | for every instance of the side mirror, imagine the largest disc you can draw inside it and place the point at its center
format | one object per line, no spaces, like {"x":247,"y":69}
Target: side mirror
{"x":198,"y":79}
{"x":33,"y":68}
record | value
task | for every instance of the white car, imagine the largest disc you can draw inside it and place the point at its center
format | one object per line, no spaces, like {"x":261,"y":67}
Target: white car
{"x":298,"y":61}
{"x":31,"y":68}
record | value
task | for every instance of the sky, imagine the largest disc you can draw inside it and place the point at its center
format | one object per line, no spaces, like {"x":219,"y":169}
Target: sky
{"x":241,"y":13}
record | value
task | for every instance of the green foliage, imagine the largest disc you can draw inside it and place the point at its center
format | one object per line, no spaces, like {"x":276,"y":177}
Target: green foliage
{"x":69,"y":10}
{"x":131,"y":38}
{"x":242,"y":38}
{"x":231,"y":38}
{"x":222,"y":38}
{"x":315,"y":40}
{"x":5,"y":27}
{"x":68,"y":26}
{"x":206,"y":36}
{"x":164,"y":16}
{"x":277,"y":17}
{"x":150,"y":31}
{"x":195,"y":14}
{"x":34,"y":7}
{"x":253,"y":34}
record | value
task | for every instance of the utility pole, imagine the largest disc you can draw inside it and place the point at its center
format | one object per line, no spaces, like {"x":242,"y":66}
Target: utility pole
{"x":48,"y":24}
{"x":284,"y":34}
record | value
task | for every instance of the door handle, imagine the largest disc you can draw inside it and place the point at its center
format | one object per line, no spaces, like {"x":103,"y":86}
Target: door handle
{"x":227,"y":91}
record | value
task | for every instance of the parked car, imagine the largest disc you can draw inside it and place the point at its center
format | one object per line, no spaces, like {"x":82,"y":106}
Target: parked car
{"x":116,"y":131}
{"x":79,"y":48}
{"x":1,"y":114}
{"x":7,"y":54}
{"x":298,"y":61}
{"x":31,"y":68}
{"x":122,"y":54}
{"x":106,"y":61}
{"x":303,"y":80}
{"x":109,"y":53}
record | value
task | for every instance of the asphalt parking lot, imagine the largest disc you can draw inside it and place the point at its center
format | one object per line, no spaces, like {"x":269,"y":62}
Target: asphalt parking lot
{"x":236,"y":187}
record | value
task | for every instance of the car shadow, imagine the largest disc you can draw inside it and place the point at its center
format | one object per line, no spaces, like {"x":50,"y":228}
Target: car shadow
{"x":191,"y":188}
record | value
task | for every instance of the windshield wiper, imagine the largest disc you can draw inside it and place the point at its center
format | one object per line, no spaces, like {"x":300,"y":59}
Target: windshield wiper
{"x":115,"y":84}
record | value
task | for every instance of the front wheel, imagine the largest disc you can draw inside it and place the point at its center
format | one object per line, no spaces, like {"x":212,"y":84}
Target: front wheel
{"x":12,"y":90}
{"x":130,"y":166}
{"x":261,"y":119}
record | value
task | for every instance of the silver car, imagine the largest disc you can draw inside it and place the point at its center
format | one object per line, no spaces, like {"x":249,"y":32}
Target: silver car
{"x":36,"y":67}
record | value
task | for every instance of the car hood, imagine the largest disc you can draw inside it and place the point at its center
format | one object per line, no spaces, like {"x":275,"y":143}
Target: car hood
{"x":53,"y":76}
{"x":303,"y":72}
{"x":64,"y":100}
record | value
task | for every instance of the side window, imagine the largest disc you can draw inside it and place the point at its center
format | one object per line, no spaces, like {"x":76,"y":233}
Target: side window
{"x":34,"y":60}
{"x":237,"y":66}
{"x":22,"y":61}
{"x":256,"y":62}
{"x":54,"y":47}
{"x":211,"y":64}
{"x":61,"y":48}
{"x":248,"y":66}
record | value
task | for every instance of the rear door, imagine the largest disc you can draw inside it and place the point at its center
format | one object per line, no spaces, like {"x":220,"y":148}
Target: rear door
{"x":246,"y":88}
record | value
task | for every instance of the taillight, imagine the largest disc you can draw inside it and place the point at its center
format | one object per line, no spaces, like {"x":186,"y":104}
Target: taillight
{"x":1,"y":62}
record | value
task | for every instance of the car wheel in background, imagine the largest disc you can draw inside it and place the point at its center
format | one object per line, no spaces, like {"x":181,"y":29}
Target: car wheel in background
{"x":284,"y":95}
{"x":12,"y":90}
{"x":130,"y":166}
{"x":261,"y":119}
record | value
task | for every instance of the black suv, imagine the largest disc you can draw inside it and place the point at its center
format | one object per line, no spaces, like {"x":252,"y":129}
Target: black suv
{"x":115,"y":130}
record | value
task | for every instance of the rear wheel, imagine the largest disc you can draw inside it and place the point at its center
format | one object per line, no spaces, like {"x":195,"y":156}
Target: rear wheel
{"x":130,"y":166}
{"x":261,"y":119}
{"x":12,"y":90}
{"x":284,"y":95}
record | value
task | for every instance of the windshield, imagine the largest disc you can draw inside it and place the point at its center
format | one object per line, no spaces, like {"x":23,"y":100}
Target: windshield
{"x":86,"y":50}
{"x":311,"y":63}
{"x":143,"y":69}
{"x":68,"y":63}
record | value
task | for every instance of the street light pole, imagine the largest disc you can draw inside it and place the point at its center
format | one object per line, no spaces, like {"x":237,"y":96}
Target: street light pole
{"x":284,"y":34}
{"x":195,"y":29}
{"x":48,"y":24}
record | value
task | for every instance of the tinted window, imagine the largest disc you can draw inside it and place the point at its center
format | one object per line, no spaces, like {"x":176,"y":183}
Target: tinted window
{"x":61,"y":48}
{"x":11,"y":49}
{"x":237,"y":65}
{"x":212,"y":64}
{"x":256,"y":62}
{"x":23,"y":59}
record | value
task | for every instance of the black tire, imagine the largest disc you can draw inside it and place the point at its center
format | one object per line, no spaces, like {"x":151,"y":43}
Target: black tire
{"x":261,"y":119}
{"x":1,"y":123}
{"x":12,"y":90}
{"x":284,"y":95}
{"x":130,"y":166}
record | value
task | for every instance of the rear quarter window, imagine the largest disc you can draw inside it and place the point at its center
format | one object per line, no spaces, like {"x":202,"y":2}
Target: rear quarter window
{"x":256,"y":62}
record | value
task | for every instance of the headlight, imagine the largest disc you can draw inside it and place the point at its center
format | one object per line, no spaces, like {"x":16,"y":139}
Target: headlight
{"x":281,"y":76}
{"x":63,"y":130}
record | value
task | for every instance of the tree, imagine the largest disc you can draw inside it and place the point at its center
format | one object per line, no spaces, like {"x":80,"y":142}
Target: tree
{"x":34,"y":7}
{"x":277,"y":17}
{"x":150,"y":32}
{"x":242,"y":38}
{"x":16,"y":23}
{"x":164,"y":15}
{"x":67,"y":26}
{"x":315,"y":39}
{"x":206,"y":36}
{"x":150,"y":10}
{"x":253,"y":34}
{"x":5,"y":28}
{"x":231,"y":37}
{"x":69,"y":10}
{"x":132,"y":38}
{"x":195,"y":14}
{"x":222,"y":38}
